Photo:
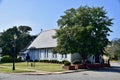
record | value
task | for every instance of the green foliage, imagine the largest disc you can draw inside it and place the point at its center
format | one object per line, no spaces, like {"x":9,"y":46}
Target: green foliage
{"x":6,"y":59}
{"x":83,"y":30}
{"x":76,"y":62}
{"x":54,"y":61}
{"x":114,"y":49}
{"x":24,"y":29}
{"x":64,"y":61}
{"x":36,"y":60}
{"x":67,"y":63}
{"x":45,"y":61}
{"x":7,"y":40}
{"x":50,"y":61}
{"x":19,"y":59}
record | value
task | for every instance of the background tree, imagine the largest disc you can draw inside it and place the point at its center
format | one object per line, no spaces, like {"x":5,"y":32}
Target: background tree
{"x":83,"y":30}
{"x":25,"y":38}
{"x":24,"y":29}
{"x":114,"y":49}
{"x":6,"y":39}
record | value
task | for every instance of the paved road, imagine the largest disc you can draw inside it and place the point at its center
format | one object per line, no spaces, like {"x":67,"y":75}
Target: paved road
{"x":112,"y":73}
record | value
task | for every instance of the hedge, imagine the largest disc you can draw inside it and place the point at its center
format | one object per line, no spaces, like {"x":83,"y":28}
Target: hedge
{"x":8,"y":59}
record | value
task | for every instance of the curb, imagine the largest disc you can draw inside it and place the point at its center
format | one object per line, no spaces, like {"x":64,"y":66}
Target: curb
{"x":52,"y":73}
{"x":70,"y":71}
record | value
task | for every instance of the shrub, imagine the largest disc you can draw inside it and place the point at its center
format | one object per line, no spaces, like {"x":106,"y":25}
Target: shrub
{"x":76,"y":62}
{"x":54,"y":61}
{"x":31,"y":60}
{"x":60,"y":62}
{"x":19,"y":59}
{"x":41,"y":61}
{"x":36,"y":60}
{"x":67,"y":63}
{"x":6,"y":59}
{"x":45,"y":61}
{"x":64,"y":61}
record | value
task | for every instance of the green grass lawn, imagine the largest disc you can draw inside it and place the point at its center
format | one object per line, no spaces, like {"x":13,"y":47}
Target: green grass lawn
{"x":23,"y":67}
{"x":115,"y":60}
{"x":9,"y":70}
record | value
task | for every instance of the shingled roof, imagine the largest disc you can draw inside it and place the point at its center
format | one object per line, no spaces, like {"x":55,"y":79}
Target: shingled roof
{"x":44,"y":40}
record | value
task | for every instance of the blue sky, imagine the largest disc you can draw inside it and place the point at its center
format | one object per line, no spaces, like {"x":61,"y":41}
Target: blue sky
{"x":45,"y":13}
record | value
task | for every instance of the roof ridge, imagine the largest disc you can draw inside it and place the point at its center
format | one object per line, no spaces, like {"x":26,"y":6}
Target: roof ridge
{"x":45,"y":31}
{"x":49,"y":30}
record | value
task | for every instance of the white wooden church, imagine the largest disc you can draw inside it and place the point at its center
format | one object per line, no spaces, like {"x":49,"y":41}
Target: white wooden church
{"x":41,"y":49}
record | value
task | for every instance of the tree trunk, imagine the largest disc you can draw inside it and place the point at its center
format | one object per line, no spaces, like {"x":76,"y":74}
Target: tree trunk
{"x":84,"y":61}
{"x":97,"y":59}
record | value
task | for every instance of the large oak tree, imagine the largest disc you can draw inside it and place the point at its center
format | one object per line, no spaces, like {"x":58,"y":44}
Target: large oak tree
{"x":83,"y":30}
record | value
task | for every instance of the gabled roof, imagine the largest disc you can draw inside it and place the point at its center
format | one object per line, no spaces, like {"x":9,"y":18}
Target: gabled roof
{"x":44,"y":40}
